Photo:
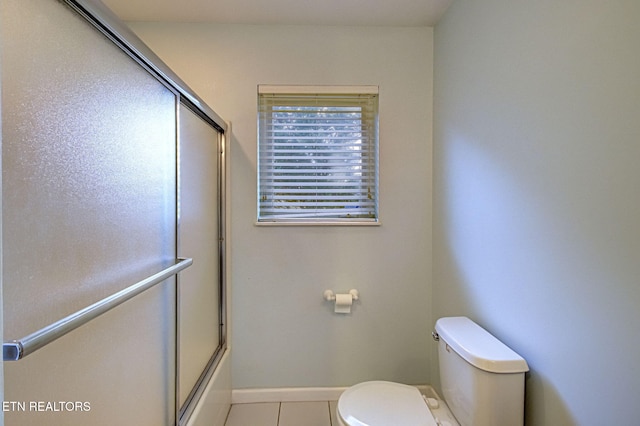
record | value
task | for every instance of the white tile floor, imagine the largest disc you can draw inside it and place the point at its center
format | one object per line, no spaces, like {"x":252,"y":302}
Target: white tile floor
{"x":320,"y":413}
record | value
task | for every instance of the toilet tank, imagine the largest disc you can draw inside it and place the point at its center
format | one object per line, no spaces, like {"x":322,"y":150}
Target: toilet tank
{"x":482,"y":379}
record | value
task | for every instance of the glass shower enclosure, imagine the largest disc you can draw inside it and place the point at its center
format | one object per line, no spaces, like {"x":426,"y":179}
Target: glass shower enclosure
{"x":112,"y":242}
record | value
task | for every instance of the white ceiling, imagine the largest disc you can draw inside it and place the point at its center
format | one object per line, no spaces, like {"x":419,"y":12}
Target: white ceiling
{"x":285,"y":12}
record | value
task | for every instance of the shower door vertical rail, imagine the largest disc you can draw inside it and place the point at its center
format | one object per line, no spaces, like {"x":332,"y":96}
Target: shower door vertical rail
{"x":1,"y":256}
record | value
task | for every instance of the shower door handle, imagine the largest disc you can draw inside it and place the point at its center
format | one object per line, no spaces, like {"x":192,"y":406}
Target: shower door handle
{"x":18,"y":349}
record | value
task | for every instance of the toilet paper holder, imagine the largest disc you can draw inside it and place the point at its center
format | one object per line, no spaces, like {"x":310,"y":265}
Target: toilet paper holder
{"x":330,"y":296}
{"x":343,"y":302}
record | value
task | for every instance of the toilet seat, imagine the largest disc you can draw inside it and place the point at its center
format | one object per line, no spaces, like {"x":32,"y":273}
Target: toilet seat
{"x":380,"y":403}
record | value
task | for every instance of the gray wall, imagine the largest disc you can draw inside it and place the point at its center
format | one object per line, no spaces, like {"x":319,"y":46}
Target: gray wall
{"x":537,"y":207}
{"x":283,"y":332}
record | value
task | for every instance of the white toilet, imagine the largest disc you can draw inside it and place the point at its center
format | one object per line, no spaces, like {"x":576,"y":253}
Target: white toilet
{"x":482,"y":382}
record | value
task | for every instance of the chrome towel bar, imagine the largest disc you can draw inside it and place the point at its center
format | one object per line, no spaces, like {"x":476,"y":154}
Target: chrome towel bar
{"x":18,"y":349}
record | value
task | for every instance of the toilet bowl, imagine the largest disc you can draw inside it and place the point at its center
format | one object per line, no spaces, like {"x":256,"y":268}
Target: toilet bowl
{"x":482,"y":381}
{"x":381,"y":403}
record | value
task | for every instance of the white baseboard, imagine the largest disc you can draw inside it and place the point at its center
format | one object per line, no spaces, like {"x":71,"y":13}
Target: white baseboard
{"x":247,"y":396}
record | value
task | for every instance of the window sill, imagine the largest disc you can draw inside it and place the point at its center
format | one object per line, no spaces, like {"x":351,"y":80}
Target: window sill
{"x":320,"y":223}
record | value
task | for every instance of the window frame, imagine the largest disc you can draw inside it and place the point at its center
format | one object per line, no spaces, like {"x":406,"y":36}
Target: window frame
{"x":315,"y":94}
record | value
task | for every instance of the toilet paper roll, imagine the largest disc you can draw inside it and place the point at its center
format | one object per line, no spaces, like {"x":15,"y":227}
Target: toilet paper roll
{"x":343,"y":303}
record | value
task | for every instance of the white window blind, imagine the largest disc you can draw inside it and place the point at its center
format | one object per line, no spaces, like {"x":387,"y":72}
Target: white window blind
{"x":317,"y":154}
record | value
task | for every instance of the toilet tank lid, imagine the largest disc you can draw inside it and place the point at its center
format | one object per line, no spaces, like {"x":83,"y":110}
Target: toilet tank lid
{"x":478,"y":347}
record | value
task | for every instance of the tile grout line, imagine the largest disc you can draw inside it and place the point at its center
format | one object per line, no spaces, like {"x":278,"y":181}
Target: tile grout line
{"x":279,"y":411}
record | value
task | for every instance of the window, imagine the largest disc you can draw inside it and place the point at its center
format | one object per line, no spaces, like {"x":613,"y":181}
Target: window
{"x":318,"y":154}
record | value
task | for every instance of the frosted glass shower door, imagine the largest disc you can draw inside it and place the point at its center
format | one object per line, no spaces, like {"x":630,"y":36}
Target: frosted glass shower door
{"x":89,"y":208}
{"x":199,"y":238}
